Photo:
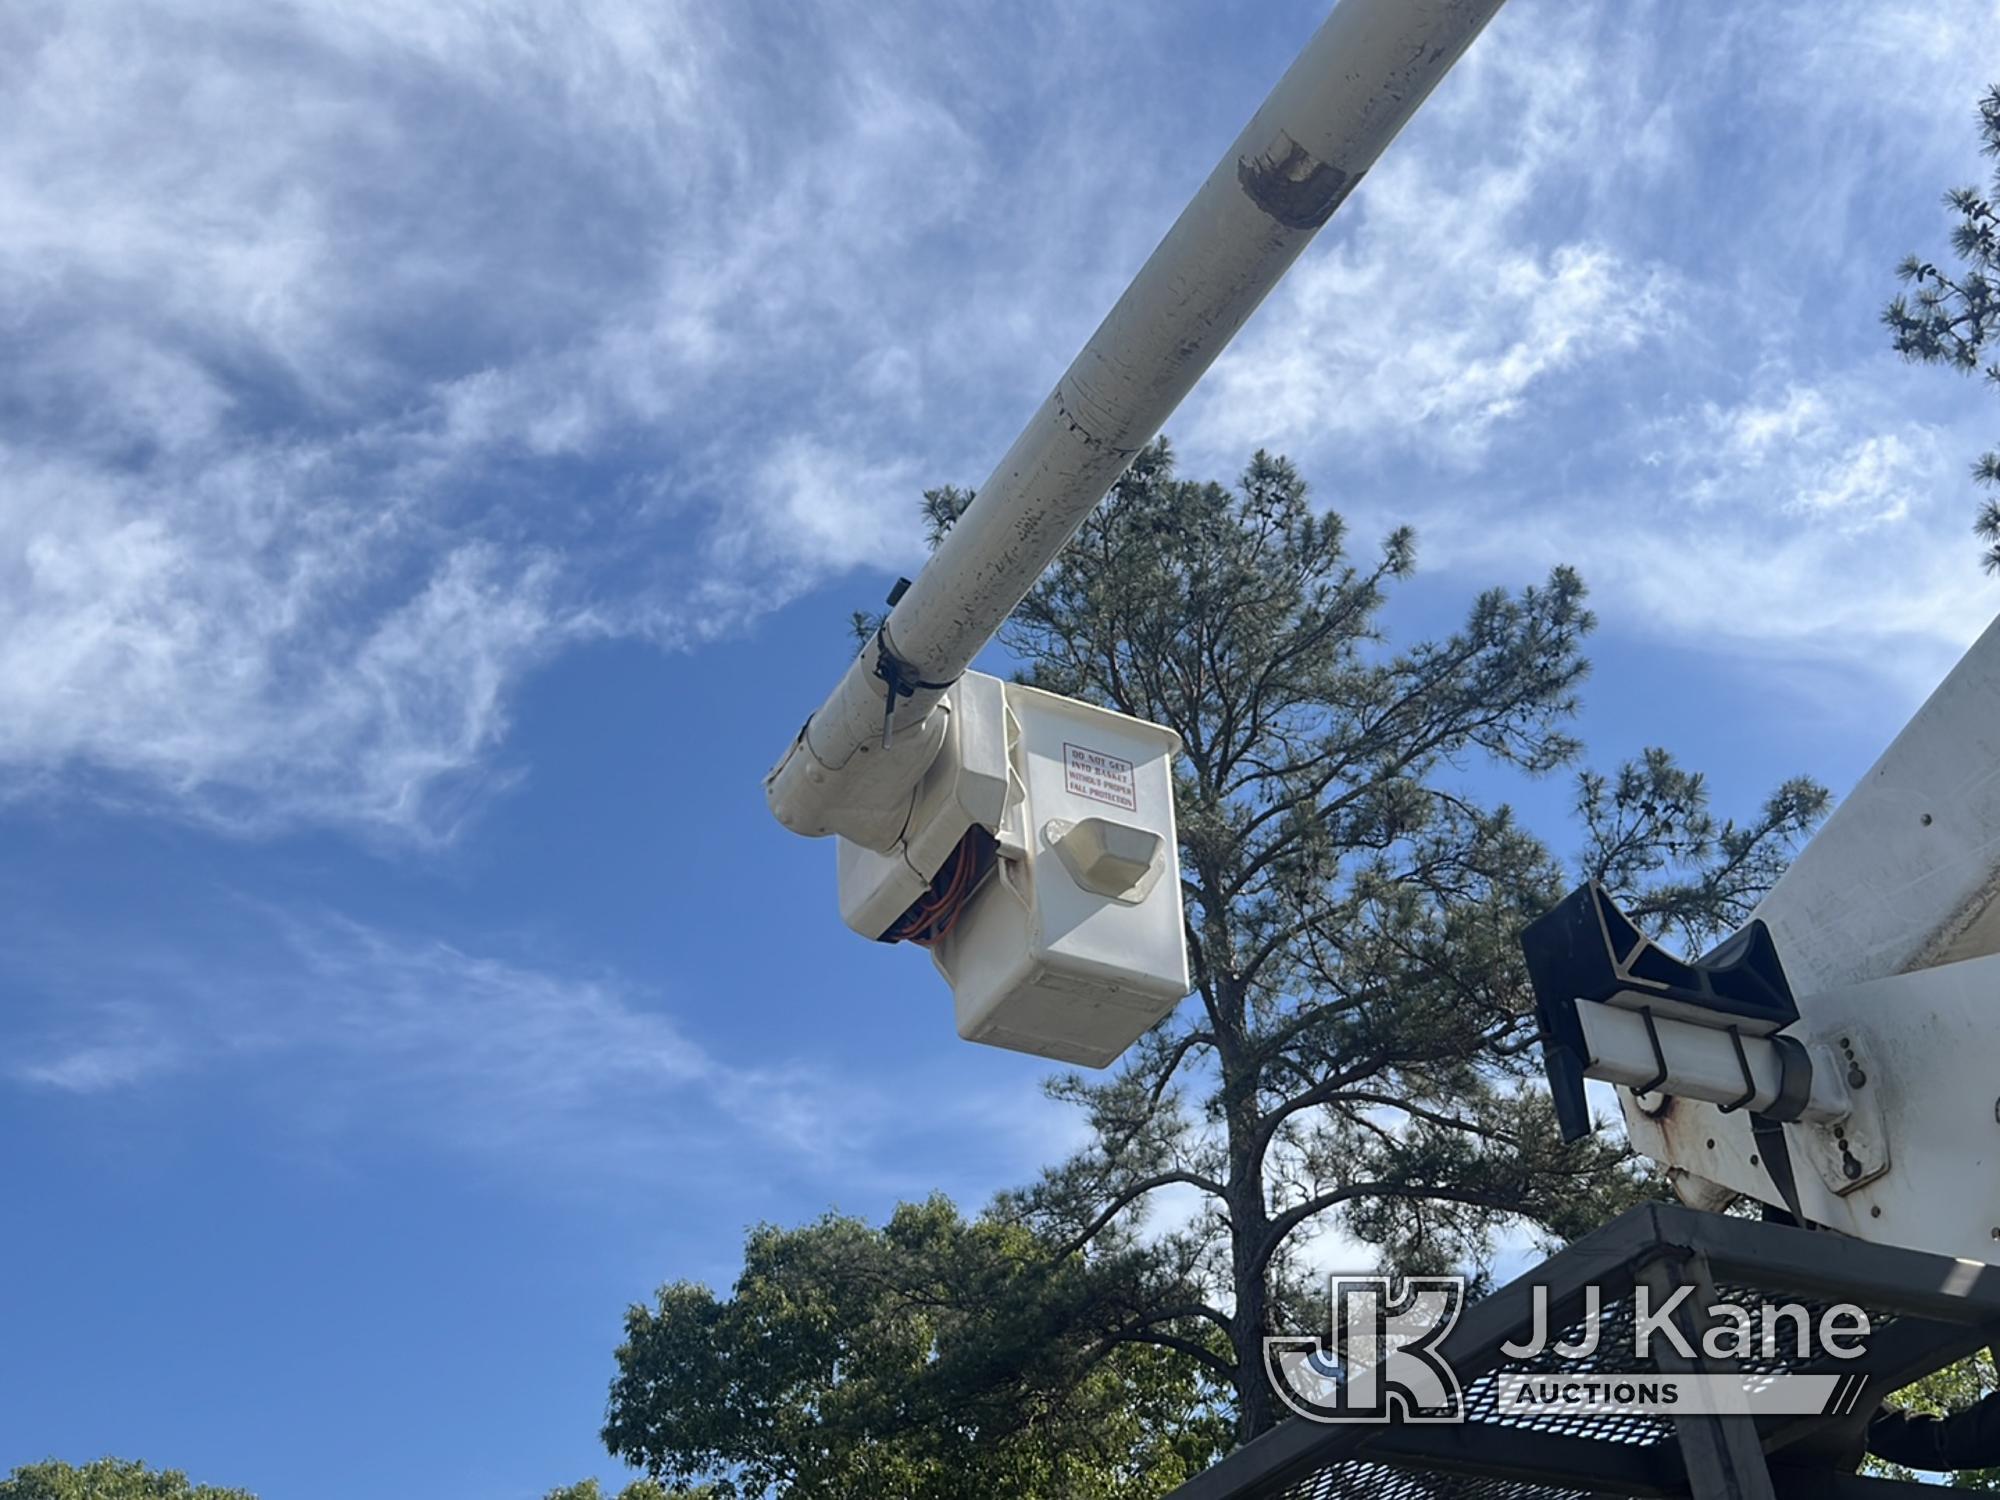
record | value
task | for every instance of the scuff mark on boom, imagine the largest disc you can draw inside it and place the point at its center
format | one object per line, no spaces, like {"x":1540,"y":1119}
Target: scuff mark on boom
{"x":1292,"y":185}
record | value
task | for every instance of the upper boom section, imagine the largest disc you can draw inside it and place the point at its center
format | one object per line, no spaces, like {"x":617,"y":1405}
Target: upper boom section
{"x":1341,"y":102}
{"x":1904,"y":874}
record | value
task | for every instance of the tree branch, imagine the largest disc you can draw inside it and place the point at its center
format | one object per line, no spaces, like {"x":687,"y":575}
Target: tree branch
{"x":1131,"y":1195}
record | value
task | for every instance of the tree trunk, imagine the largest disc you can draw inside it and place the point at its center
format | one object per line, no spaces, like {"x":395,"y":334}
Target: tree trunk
{"x":1257,"y":1403}
{"x":1250,"y":1222}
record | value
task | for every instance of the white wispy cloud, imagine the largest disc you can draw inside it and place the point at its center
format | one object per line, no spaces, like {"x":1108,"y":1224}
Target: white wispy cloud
{"x":208,"y":645}
{"x":365,"y":356}
{"x":239,"y":575}
{"x":358,"y":350}
{"x":1451,"y":291}
{"x":1816,"y":524}
{"x":126,"y":1046}
{"x":1812,"y":527}
{"x":1613,"y":302}
{"x":1810,"y":455}
{"x":1370,"y":357}
{"x":375,"y":1031}
{"x":321,"y":1031}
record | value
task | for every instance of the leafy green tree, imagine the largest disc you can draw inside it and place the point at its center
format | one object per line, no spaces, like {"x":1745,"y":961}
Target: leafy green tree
{"x":1952,"y":1389}
{"x":1358,"y":1057}
{"x":107,"y":1479}
{"x":638,"y":1489}
{"x":1948,"y":318}
{"x":933,"y":1357}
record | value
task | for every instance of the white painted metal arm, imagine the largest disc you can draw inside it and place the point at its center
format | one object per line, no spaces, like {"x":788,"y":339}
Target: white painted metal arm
{"x":1714,"y":1065}
{"x":1905,"y":873}
{"x":1349,"y":92}
{"x":1888,"y":928}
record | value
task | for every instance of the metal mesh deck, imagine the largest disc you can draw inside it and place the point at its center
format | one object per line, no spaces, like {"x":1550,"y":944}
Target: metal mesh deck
{"x":1359,"y":1479}
{"x":1924,"y":1311}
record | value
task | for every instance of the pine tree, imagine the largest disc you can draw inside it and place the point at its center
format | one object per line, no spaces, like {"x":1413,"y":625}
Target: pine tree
{"x":1948,"y":319}
{"x":1358,"y":1055}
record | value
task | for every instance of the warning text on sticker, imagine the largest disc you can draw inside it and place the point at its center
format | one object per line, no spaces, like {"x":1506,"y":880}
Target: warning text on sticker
{"x":1100,"y":777}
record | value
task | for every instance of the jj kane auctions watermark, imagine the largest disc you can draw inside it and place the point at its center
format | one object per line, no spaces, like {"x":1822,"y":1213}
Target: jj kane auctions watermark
{"x":1663,"y":1355}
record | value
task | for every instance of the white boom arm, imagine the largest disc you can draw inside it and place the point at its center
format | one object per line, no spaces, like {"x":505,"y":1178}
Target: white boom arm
{"x":1887,"y":927}
{"x":854,"y":766}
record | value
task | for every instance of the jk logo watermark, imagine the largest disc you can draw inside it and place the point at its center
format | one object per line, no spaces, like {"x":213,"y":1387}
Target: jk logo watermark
{"x":1383,"y":1358}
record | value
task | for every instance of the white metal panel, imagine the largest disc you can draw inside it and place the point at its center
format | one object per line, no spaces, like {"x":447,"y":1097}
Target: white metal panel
{"x":1008,"y":995}
{"x":1041,"y":962}
{"x":1933,"y":1071}
{"x":966,"y":786}
{"x":1080,"y":762}
{"x":1901,"y":878}
{"x":1701,"y":1062}
{"x":1902,"y":874}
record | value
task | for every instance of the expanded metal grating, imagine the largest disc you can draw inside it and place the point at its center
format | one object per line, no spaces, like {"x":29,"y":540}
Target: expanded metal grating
{"x":1361,"y":1480}
{"x":1356,"y":1478}
{"x":1614,"y":1344}
{"x":1786,"y":1358}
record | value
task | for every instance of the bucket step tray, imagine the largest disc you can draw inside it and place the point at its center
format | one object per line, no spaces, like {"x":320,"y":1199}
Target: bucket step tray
{"x":1587,"y":951}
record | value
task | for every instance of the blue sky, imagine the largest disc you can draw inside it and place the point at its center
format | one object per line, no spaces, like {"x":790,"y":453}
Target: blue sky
{"x":440,"y":445}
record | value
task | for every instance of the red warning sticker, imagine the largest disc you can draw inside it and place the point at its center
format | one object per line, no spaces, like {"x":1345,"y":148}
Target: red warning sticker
{"x":1100,"y":777}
